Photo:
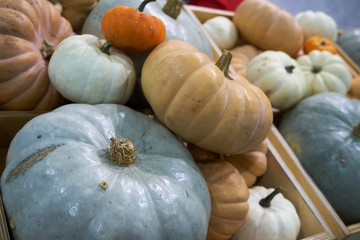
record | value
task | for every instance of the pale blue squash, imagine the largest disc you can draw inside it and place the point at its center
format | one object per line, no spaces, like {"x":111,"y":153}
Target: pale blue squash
{"x":53,"y":186}
{"x":349,"y":41}
{"x":324,"y":133}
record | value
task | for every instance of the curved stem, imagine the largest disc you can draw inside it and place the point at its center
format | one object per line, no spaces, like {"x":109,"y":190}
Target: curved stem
{"x":122,"y":151}
{"x":266,"y":202}
{"x":47,"y":50}
{"x":173,"y":8}
{"x":143,"y":4}
{"x":357,"y":130}
{"x":224,"y":63}
{"x":105,"y":48}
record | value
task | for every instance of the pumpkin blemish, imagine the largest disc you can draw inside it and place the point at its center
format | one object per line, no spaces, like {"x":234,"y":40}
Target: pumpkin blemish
{"x":103,"y":185}
{"x":26,"y":164}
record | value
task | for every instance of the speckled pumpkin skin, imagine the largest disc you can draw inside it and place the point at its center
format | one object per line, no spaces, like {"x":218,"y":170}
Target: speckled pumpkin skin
{"x":59,"y":183}
{"x":319,"y":129}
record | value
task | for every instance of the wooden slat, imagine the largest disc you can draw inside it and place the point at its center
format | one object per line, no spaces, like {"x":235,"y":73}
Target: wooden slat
{"x":4,"y":231}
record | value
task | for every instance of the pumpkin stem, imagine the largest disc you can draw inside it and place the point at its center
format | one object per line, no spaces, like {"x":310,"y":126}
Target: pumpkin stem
{"x":289,"y":69}
{"x":323,"y":43}
{"x":122,"y":151}
{"x":316,"y":69}
{"x":59,"y":5}
{"x":143,"y":4}
{"x":173,"y":8}
{"x":105,"y":48}
{"x":266,"y":202}
{"x":47,"y":50}
{"x":224,"y":62}
{"x":357,"y":130}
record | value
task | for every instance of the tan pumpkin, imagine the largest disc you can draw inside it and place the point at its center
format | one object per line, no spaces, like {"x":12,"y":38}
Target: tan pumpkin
{"x":229,"y":195}
{"x":241,"y":56}
{"x":200,"y":103}
{"x":29,"y":31}
{"x":268,"y":27}
{"x":354,"y":90}
{"x":251,"y":164}
{"x":75,"y":11}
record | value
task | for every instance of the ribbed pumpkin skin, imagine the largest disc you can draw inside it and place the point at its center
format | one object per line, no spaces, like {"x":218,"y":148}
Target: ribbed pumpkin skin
{"x":24,"y":26}
{"x":162,"y":195}
{"x":319,"y":129}
{"x":241,"y":56}
{"x":266,"y":26}
{"x":193,"y":98}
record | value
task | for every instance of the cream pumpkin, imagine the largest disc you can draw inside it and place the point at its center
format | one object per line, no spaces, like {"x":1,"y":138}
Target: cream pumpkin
{"x":279,"y":76}
{"x":83,"y":73}
{"x":197,"y":101}
{"x":324,"y":72}
{"x":268,"y":27}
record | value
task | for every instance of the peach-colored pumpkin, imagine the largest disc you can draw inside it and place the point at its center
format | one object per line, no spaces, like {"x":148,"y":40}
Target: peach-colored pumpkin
{"x":28,"y":31}
{"x":241,"y":56}
{"x":229,"y":195}
{"x":265,"y":25}
{"x":354,"y":90}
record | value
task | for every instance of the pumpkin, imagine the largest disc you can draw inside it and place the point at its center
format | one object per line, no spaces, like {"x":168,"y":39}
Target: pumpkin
{"x":250,"y":165}
{"x":241,"y":56}
{"x":132,"y":29}
{"x":178,"y":23}
{"x":317,"y":23}
{"x":324,"y":72}
{"x":29,"y":31}
{"x":75,"y":11}
{"x":102,"y":172}
{"x":266,"y":26}
{"x":319,"y":43}
{"x":324,"y":132}
{"x":85,"y":70}
{"x":279,"y":76}
{"x":349,"y":41}
{"x":354,"y":90}
{"x":271,"y":216}
{"x":195,"y":99}
{"x":222,"y":30}
{"x":229,"y":198}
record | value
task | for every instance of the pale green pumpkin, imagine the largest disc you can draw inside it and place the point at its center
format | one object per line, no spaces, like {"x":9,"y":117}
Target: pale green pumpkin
{"x":60,"y":183}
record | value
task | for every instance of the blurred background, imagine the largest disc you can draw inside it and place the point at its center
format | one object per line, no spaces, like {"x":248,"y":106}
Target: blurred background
{"x":344,"y":12}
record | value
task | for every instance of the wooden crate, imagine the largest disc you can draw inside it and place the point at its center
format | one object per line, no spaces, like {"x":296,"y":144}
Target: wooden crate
{"x":290,"y":165}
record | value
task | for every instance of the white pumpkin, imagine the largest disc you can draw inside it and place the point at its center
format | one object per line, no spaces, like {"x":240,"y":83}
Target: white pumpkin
{"x":317,"y":23}
{"x":324,"y":72}
{"x":279,"y":76}
{"x":83,"y":73}
{"x":277,"y":221}
{"x":223,"y":31}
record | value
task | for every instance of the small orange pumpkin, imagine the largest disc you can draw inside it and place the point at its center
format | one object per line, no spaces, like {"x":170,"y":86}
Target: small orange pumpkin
{"x":354,"y":91}
{"x":319,"y":43}
{"x":132,"y":29}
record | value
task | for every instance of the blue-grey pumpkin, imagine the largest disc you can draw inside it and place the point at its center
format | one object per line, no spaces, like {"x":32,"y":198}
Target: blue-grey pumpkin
{"x":349,"y":41}
{"x":324,"y":132}
{"x":183,"y":28}
{"x":59,"y":182}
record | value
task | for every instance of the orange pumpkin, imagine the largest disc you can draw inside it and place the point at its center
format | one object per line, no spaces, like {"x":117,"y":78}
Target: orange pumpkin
{"x":29,"y":31}
{"x":132,"y":29}
{"x":319,"y":43}
{"x":354,"y":91}
{"x":251,"y":164}
{"x":241,"y":56}
{"x":229,"y":195}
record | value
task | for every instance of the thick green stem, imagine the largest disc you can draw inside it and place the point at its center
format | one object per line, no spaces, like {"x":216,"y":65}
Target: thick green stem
{"x":357,"y":130}
{"x":289,"y":69}
{"x":173,"y":8}
{"x":122,"y":151}
{"x":266,"y":202}
{"x":143,"y":4}
{"x":105,"y":48}
{"x":224,"y":63}
{"x":316,"y":69}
